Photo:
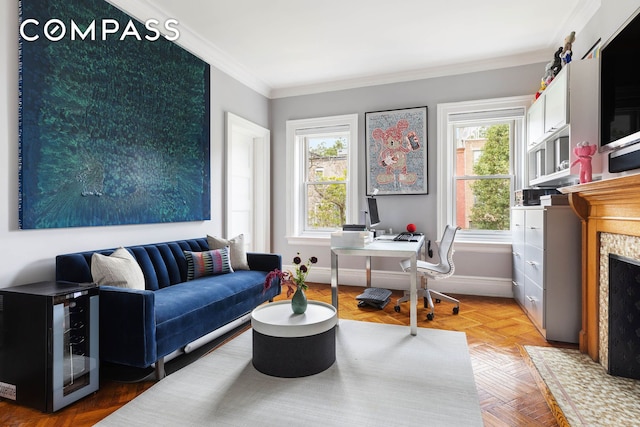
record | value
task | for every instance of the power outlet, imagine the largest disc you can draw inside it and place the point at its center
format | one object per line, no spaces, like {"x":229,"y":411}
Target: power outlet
{"x":8,"y":391}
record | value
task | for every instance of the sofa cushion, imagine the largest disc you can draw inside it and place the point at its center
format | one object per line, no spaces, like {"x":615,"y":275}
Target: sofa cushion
{"x":237,"y":250}
{"x":118,"y":269}
{"x":207,"y":263}
{"x":187,"y":311}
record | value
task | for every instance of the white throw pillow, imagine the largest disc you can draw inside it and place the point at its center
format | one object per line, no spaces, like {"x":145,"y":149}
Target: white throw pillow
{"x":237,"y":252}
{"x":118,"y":269}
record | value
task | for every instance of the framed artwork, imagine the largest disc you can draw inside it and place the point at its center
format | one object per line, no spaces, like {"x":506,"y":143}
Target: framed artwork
{"x":594,"y":52}
{"x":113,"y":128}
{"x":396,"y":151}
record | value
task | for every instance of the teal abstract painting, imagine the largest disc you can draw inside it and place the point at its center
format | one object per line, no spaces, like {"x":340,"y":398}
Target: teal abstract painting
{"x":114,"y":123}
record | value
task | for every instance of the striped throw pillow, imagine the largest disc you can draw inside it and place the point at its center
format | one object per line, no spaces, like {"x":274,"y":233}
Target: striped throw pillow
{"x":207,"y":263}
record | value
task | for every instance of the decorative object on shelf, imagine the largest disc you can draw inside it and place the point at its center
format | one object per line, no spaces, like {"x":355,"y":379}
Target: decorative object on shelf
{"x":543,"y":86}
{"x":584,"y":151}
{"x":556,"y":65}
{"x":566,"y":50}
{"x":411,"y":228}
{"x":561,"y":57}
{"x":295,"y":282}
{"x":396,"y":151}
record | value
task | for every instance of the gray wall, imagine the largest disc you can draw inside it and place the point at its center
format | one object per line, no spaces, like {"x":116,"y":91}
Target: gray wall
{"x":397,"y":211}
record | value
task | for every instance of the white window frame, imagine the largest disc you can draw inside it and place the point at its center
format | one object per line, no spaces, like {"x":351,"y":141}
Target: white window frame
{"x":450,"y":114}
{"x":295,"y":201}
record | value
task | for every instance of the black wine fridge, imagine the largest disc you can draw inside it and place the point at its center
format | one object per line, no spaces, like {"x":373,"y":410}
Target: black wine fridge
{"x":48,"y":343}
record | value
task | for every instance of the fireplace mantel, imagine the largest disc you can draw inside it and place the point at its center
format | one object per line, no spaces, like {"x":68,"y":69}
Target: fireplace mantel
{"x":610,"y":206}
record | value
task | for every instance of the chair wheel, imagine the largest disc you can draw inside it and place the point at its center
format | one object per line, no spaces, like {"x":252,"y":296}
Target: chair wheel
{"x":397,"y":308}
{"x":430,"y":316}
{"x":456,"y":310}
{"x":438,"y":301}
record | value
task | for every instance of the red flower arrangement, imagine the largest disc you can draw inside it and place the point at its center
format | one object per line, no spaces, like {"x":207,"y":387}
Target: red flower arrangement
{"x":290,"y":280}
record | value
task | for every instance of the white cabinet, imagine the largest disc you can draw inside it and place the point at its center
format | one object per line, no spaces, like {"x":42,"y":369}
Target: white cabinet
{"x":565,"y":114}
{"x":556,"y":111}
{"x":549,"y":113}
{"x":547,"y":269}
{"x":535,"y":121}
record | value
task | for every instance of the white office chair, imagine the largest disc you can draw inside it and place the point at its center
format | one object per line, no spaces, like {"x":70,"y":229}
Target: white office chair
{"x":442,"y":270}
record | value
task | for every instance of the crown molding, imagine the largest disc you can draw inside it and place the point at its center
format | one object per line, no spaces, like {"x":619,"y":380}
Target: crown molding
{"x":425,"y":73}
{"x":191,"y":41}
{"x":208,"y":51}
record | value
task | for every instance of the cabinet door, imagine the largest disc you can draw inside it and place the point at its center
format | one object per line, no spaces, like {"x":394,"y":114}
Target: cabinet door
{"x":534,"y":264}
{"x":535,"y":121}
{"x":517,"y":226}
{"x":555,"y":111}
{"x":534,"y":228}
{"x":534,"y":303}
{"x":517,"y":249}
{"x":518,"y":286}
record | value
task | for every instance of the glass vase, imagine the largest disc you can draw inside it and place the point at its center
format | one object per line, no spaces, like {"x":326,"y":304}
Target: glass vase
{"x":299,"y":301}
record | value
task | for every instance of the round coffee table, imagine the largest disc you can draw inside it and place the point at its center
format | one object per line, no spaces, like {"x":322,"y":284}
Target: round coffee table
{"x":292,"y":345}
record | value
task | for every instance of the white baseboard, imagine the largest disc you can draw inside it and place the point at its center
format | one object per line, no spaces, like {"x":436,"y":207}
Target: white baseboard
{"x":456,"y":284}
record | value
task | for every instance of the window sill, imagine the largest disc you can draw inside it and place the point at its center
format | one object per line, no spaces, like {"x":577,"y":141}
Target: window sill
{"x":484,"y":247}
{"x":321,"y":239}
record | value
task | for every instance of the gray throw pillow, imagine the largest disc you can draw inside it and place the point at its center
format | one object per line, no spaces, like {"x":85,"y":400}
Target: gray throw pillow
{"x":237,"y":251}
{"x":118,"y":269}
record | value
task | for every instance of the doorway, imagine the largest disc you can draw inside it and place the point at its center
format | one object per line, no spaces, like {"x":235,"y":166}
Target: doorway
{"x":248,"y":188}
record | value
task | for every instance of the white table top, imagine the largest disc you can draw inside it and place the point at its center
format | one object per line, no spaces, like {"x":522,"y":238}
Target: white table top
{"x":384,"y":246}
{"x":277,"y":319}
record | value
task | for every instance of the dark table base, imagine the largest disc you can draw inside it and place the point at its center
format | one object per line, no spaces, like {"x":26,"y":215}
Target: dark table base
{"x":294,"y":357}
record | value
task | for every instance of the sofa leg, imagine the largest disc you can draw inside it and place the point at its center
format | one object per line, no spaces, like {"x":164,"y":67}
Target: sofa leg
{"x":160,"y":372}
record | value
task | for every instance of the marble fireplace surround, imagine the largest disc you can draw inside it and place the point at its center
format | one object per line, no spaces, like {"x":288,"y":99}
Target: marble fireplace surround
{"x":610,"y":215}
{"x":618,"y":244}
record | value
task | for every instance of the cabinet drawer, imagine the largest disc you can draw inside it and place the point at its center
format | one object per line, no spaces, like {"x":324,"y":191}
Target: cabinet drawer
{"x":518,"y":257}
{"x":518,"y":286}
{"x":534,"y":302}
{"x":517,"y":226}
{"x":534,"y":264}
{"x":534,"y":228}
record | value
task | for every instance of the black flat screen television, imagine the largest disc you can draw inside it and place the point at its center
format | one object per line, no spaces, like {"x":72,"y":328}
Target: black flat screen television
{"x":620,"y":87}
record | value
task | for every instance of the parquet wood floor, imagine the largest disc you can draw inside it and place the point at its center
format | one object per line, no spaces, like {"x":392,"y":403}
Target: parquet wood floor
{"x":495,"y":328}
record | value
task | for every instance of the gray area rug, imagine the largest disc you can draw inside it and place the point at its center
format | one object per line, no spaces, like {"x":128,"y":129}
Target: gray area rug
{"x":585,"y":394}
{"x":382,"y":376}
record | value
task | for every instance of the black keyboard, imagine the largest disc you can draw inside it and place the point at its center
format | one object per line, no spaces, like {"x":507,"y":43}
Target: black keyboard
{"x":405,"y":236}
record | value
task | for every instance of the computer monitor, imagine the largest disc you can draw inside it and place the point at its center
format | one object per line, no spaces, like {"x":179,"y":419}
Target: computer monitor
{"x":372,"y":212}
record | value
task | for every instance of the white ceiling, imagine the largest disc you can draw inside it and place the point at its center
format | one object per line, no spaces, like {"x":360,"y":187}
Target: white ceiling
{"x":290,"y":47}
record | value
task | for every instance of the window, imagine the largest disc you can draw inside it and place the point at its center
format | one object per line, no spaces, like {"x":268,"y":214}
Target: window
{"x":321,"y":175}
{"x":480,"y":164}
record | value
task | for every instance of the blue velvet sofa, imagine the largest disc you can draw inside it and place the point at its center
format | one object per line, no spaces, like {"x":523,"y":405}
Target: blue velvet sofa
{"x":140,"y":327}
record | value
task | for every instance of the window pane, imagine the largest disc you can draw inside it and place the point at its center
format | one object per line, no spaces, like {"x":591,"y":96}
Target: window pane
{"x":483,"y":204}
{"x":327,"y":158}
{"x":326,"y":206}
{"x":322,"y":184}
{"x":483,"y":150}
